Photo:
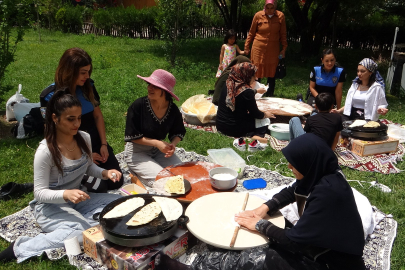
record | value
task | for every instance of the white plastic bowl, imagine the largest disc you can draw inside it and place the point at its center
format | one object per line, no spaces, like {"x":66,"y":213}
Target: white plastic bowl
{"x":280,"y":131}
{"x":223,"y":184}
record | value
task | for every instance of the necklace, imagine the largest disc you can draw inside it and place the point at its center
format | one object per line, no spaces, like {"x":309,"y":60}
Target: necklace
{"x":70,"y":150}
{"x":363,"y":87}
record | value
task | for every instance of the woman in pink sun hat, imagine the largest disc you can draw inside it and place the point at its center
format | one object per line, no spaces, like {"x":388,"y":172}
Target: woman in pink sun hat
{"x":150,"y":120}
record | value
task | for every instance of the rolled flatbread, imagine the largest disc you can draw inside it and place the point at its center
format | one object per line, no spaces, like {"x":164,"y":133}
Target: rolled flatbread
{"x":358,"y":123}
{"x":125,"y":208}
{"x":175,"y":184}
{"x":145,"y":215}
{"x":171,"y":208}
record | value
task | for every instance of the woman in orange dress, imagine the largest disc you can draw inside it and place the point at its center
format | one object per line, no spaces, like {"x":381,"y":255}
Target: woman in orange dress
{"x":268,"y":30}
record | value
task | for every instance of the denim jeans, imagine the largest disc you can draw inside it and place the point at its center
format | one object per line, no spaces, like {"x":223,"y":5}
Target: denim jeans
{"x":295,"y":128}
{"x":60,"y":222}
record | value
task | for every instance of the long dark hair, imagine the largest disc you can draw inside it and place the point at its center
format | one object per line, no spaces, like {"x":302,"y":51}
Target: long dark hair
{"x":59,"y":102}
{"x":329,"y":51}
{"x":371,"y":80}
{"x":229,"y":34}
{"x":68,"y":71}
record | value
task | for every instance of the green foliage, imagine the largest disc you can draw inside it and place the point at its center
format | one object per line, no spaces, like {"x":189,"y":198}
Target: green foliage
{"x":47,"y":11}
{"x":175,"y":22}
{"x":14,"y":18}
{"x":70,"y":19}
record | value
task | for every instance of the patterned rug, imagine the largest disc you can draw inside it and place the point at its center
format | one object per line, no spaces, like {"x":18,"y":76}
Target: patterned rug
{"x":382,"y":163}
{"x":377,"y":251}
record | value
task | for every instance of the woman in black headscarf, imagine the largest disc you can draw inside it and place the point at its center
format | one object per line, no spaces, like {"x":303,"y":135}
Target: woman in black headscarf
{"x":329,"y":233}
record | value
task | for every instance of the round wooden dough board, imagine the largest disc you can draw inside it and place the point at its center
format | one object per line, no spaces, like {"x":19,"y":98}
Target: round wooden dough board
{"x":283,"y":106}
{"x":212,"y":220}
{"x":197,"y":173}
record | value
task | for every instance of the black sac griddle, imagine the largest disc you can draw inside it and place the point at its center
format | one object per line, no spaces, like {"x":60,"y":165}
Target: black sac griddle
{"x":365,"y":133}
{"x":116,"y":231}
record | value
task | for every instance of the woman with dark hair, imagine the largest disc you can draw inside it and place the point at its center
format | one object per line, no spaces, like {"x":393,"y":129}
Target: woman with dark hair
{"x":326,"y":78}
{"x":237,"y":109}
{"x":366,"y":96}
{"x":73,"y":72}
{"x":150,"y":120}
{"x":60,"y":207}
{"x":267,"y":31}
{"x":329,"y":233}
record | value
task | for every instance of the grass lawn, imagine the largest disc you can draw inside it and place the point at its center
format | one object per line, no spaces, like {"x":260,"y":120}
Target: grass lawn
{"x":116,"y":63}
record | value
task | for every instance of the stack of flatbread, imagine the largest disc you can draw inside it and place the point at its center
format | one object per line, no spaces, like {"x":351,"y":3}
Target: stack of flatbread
{"x":175,"y":185}
{"x":372,"y":124}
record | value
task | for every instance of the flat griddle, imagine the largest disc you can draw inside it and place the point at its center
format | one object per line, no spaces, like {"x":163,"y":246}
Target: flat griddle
{"x":116,"y":230}
{"x":365,"y":133}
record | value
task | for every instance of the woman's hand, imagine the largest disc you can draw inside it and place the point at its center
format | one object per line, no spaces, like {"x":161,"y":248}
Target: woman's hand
{"x":260,"y":211}
{"x":246,"y":51}
{"x":104,"y":152}
{"x":113,"y":175}
{"x":282,"y":53}
{"x":75,"y":195}
{"x":97,"y":157}
{"x":248,"y":221}
{"x":163,"y":147}
{"x":268,"y":114}
{"x":382,"y":111}
{"x":338,"y":110}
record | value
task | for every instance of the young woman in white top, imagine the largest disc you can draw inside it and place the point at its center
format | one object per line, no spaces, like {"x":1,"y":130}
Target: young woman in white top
{"x":60,"y":207}
{"x":366,"y":97}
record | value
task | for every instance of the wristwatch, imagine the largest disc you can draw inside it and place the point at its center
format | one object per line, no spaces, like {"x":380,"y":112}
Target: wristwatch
{"x":259,"y":224}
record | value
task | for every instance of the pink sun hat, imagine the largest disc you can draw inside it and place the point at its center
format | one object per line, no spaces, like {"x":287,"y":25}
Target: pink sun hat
{"x":162,"y":79}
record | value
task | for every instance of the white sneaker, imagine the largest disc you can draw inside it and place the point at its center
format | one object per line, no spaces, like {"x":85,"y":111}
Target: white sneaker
{"x":256,"y":146}
{"x":240,"y":144}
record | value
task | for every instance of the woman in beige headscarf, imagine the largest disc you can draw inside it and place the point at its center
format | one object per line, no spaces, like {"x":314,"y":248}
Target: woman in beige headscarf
{"x":268,"y":30}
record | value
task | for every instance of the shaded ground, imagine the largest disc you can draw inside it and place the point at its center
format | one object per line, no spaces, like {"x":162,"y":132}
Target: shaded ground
{"x":5,"y":127}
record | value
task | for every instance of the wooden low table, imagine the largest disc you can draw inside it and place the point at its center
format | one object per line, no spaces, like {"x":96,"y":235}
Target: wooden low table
{"x":283,"y":106}
{"x":212,"y":220}
{"x":197,"y":173}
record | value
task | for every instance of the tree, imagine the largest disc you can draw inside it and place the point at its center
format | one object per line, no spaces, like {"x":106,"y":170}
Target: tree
{"x":312,"y":19}
{"x":174,"y":21}
{"x":14,"y":18}
{"x":231,"y":11}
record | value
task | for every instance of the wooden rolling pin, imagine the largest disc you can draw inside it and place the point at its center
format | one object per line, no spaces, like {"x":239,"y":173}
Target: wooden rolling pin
{"x":235,"y":233}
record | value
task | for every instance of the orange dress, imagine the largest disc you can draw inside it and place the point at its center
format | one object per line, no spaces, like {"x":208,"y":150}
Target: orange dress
{"x":266,"y":34}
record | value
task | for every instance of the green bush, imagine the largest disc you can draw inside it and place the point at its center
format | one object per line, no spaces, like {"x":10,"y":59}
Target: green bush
{"x":70,"y":19}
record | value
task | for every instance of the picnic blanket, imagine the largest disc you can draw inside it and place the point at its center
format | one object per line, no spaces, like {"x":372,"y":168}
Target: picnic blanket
{"x":377,"y":251}
{"x":381,"y":163}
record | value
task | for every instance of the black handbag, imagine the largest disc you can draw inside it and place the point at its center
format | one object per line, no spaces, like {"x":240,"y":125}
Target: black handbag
{"x":281,"y":71}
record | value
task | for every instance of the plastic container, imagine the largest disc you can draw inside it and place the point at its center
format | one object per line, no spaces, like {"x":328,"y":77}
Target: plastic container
{"x":227,"y":157}
{"x":280,"y":131}
{"x":255,"y":183}
{"x":132,"y":189}
{"x":221,"y":183}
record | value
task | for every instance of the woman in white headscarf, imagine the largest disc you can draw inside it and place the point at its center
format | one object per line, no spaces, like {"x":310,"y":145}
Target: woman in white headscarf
{"x":366,"y":97}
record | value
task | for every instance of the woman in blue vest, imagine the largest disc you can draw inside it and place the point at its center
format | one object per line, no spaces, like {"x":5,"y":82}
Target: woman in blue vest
{"x":328,"y":77}
{"x":73,"y":72}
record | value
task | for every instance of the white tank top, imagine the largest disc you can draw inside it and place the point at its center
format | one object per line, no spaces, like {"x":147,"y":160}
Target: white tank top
{"x":359,"y":98}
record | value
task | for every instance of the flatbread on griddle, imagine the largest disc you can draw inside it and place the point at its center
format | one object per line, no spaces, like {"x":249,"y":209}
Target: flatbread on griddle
{"x":372,"y":124}
{"x":171,"y":208}
{"x":125,"y":208}
{"x":358,"y":123}
{"x":145,"y":215}
{"x":175,"y":184}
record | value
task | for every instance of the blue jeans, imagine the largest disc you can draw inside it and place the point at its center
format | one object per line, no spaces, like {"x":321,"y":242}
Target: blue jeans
{"x":60,"y":222}
{"x":295,"y":128}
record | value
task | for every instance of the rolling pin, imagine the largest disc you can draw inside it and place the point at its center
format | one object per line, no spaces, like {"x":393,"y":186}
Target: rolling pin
{"x":235,"y":233}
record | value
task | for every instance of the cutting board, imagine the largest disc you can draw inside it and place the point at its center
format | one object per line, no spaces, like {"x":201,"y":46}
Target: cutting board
{"x":197,"y":173}
{"x":212,"y":220}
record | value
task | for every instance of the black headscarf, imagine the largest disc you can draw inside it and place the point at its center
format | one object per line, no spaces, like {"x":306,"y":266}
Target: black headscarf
{"x":330,"y":219}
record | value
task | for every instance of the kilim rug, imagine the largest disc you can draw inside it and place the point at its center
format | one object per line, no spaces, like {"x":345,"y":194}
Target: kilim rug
{"x":377,"y":251}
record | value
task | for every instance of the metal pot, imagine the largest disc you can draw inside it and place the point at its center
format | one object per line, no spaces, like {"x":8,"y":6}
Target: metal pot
{"x":116,"y":231}
{"x":365,"y":133}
